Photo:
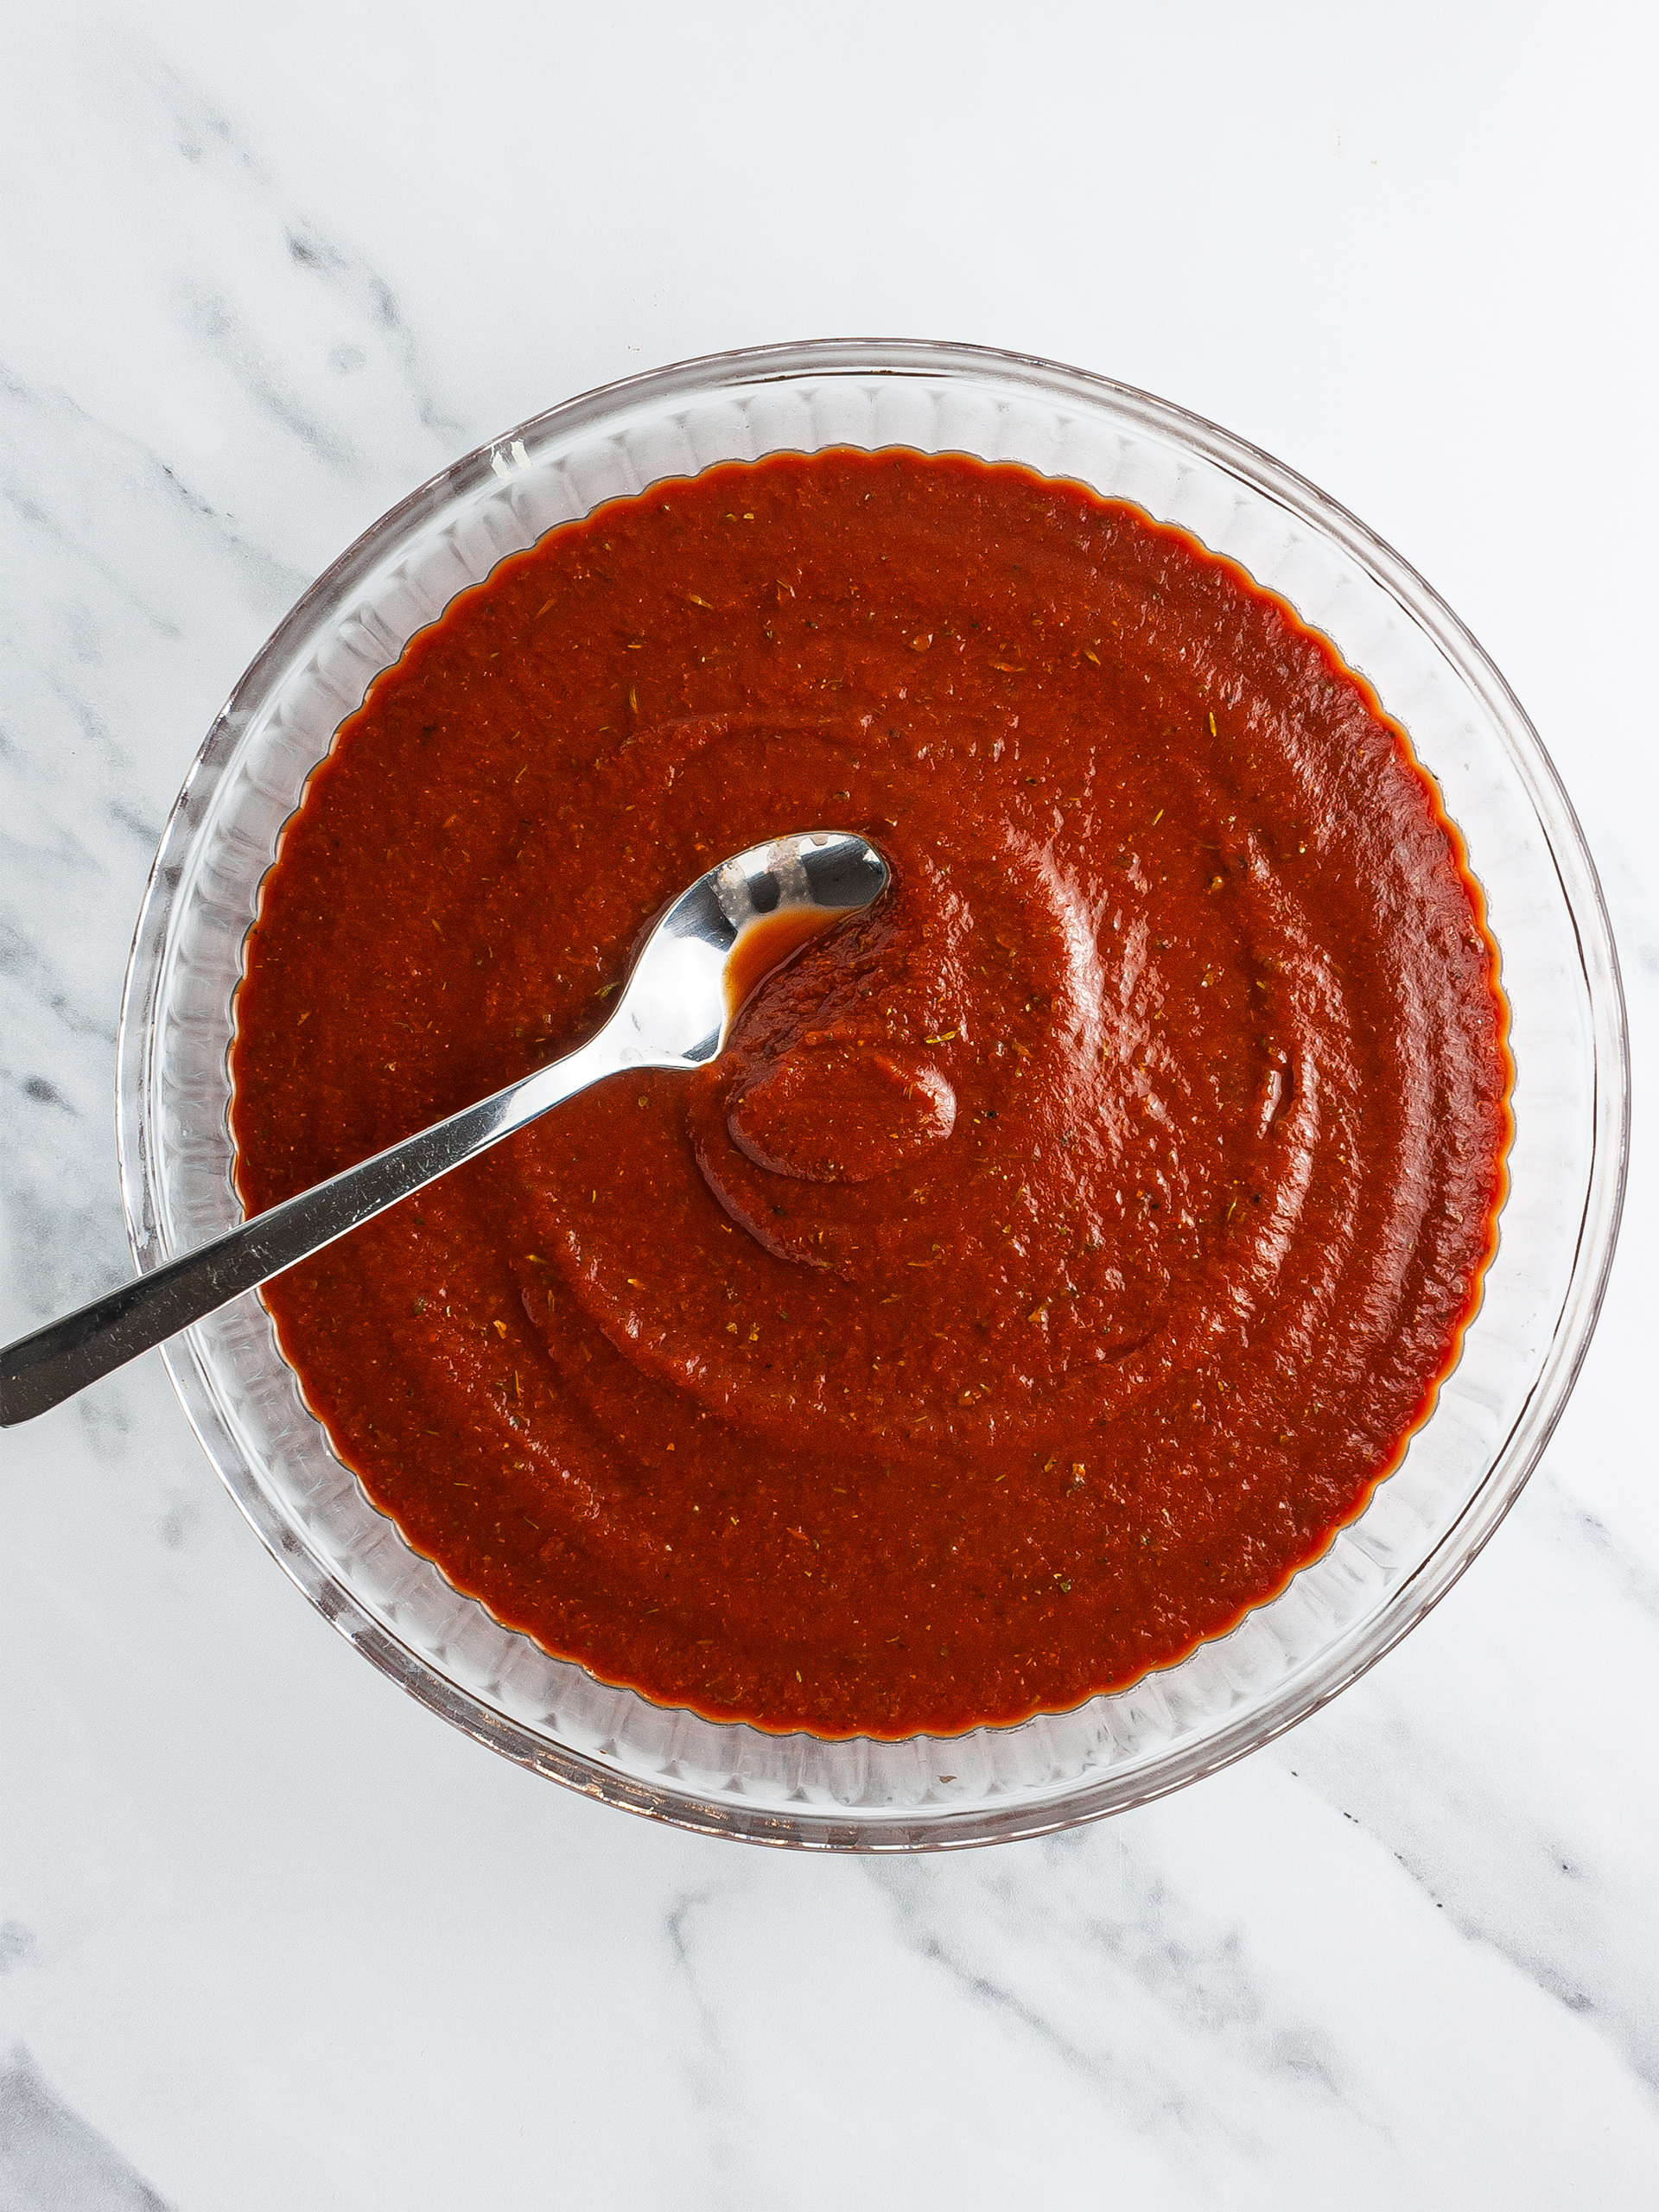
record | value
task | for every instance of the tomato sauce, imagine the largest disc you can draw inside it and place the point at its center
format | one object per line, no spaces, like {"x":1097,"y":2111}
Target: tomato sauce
{"x":1061,"y":1251}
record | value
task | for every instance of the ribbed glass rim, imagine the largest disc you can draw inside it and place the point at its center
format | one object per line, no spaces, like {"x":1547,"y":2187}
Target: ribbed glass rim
{"x":138,"y":1102}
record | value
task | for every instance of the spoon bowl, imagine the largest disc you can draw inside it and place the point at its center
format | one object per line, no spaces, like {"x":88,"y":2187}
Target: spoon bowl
{"x":711,"y":946}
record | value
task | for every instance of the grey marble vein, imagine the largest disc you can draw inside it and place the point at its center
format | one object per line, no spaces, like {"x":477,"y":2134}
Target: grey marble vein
{"x":1132,"y":1946}
{"x":1517,"y":1861}
{"x":51,"y":2160}
{"x":207,"y":138}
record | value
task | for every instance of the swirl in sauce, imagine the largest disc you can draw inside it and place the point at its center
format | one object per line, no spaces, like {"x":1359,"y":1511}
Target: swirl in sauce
{"x":1060,"y":1254}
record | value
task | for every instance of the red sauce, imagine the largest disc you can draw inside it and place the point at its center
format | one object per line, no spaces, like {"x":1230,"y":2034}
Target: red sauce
{"x":1060,"y":1254}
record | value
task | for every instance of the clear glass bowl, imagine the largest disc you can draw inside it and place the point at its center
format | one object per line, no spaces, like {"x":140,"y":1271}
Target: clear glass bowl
{"x":1519,"y":1357}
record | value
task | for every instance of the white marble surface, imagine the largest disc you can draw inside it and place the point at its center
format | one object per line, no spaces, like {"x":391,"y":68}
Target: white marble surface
{"x":271,"y":1935}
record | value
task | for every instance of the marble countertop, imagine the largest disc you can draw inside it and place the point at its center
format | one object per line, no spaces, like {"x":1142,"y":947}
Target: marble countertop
{"x":271,"y":1935}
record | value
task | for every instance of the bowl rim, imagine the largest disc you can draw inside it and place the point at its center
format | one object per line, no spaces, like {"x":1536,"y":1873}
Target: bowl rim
{"x":1309,"y":1687}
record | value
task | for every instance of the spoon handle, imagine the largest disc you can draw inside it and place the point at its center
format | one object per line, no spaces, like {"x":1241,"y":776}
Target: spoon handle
{"x":40,"y":1371}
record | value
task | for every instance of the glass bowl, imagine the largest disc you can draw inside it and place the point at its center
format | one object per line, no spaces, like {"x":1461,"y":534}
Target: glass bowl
{"x":1520,"y":1355}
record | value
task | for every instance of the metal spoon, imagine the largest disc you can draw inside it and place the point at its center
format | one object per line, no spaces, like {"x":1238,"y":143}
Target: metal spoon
{"x":698,"y":964}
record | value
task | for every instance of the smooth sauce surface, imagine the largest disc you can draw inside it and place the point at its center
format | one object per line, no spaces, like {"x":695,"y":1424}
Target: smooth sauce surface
{"x":1059,"y":1253}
